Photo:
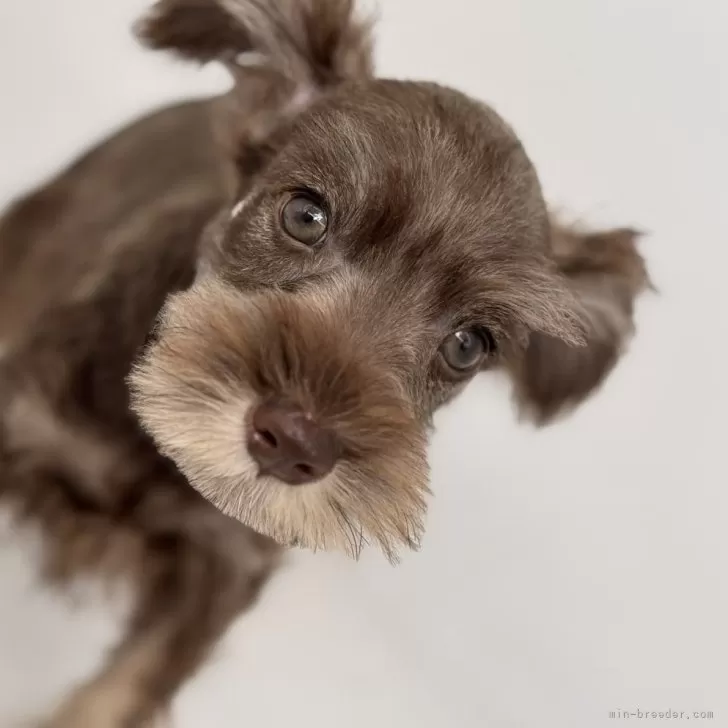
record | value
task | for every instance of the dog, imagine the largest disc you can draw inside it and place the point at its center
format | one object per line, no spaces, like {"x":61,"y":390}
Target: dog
{"x":226,"y":329}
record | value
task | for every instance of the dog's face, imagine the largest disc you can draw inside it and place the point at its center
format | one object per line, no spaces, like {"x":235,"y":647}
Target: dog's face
{"x":394,"y":244}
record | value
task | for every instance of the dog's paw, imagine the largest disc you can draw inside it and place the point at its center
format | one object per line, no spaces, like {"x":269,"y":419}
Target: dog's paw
{"x":87,"y":710}
{"x":85,"y":721}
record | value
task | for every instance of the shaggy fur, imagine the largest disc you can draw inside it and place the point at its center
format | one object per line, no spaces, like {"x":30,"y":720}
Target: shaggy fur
{"x":151,"y":300}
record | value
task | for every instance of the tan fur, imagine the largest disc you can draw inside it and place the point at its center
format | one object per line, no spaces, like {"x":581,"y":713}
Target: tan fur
{"x":179,"y":395}
{"x":116,"y":695}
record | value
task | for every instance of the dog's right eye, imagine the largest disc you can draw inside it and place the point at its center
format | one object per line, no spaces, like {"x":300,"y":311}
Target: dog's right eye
{"x":305,"y":220}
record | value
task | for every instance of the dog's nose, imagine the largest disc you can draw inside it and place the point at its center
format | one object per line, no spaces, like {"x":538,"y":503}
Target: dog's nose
{"x":287,"y":443}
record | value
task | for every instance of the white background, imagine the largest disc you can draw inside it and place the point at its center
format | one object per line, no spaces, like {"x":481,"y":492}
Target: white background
{"x":567,"y":572}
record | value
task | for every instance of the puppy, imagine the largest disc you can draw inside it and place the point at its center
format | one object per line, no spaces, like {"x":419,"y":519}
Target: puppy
{"x":227,"y":328}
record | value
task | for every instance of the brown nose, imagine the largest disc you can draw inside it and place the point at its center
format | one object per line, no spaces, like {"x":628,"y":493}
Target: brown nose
{"x":287,"y":443}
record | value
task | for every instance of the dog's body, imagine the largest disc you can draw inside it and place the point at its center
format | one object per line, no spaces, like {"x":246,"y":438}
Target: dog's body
{"x":73,"y":456}
{"x":421,"y":189}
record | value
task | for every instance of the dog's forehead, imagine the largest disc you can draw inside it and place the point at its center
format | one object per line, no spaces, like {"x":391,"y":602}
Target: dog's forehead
{"x":420,"y":180}
{"x":415,"y":162}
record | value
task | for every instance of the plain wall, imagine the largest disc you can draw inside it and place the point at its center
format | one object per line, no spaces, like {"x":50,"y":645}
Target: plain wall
{"x":567,"y":572}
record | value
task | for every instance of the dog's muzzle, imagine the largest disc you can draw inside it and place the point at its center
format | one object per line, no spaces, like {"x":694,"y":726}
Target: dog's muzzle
{"x":253,"y":395}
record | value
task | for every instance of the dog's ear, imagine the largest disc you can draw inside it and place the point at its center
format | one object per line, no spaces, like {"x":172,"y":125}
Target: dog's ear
{"x":605,"y":273}
{"x":282,"y":54}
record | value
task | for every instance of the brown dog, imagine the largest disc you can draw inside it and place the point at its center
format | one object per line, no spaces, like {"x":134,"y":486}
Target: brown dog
{"x":329,"y":258}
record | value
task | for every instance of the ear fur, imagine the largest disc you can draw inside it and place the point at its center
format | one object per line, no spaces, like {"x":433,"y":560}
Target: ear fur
{"x":315,"y":42}
{"x":200,"y":30}
{"x":282,"y":54}
{"x":605,"y":273}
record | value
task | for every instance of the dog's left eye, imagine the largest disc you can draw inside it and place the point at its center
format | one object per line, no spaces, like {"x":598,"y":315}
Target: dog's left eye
{"x":465,"y":349}
{"x":304,"y":220}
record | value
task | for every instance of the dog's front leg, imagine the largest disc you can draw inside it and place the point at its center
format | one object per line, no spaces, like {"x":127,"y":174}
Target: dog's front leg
{"x":201,"y":570}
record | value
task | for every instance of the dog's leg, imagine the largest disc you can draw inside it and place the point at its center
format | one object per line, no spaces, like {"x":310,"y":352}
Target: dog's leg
{"x":199,"y":570}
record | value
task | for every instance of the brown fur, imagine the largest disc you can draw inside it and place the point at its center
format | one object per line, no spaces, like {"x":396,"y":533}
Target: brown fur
{"x":436,"y":222}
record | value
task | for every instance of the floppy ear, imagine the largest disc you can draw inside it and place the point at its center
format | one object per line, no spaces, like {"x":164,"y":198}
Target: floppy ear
{"x":282,"y":55}
{"x":605,"y":273}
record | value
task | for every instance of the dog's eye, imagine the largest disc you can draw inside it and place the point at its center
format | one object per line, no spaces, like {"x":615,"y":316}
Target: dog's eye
{"x":466,"y":349}
{"x":304,"y":220}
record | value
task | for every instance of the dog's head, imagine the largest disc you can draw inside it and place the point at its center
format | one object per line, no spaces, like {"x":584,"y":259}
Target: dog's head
{"x":388,"y":242}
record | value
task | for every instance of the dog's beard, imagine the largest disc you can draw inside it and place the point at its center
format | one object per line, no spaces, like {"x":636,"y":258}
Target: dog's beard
{"x":195,"y":389}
